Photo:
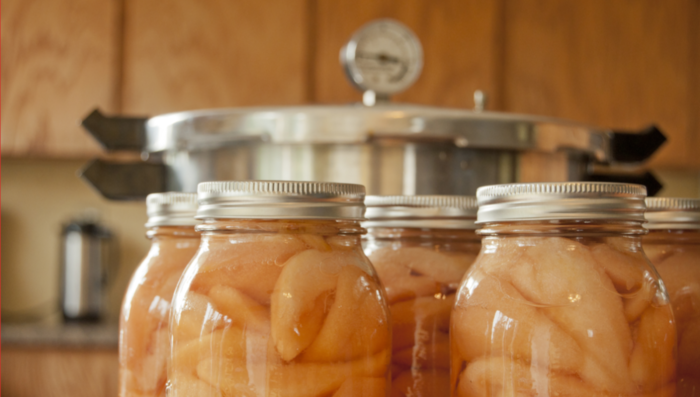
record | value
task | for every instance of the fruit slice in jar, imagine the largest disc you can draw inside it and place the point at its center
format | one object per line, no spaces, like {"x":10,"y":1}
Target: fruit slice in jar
{"x":400,"y":282}
{"x":228,"y":342}
{"x":197,"y":318}
{"x":562,"y":278}
{"x":321,"y":379}
{"x":243,"y":311}
{"x":496,"y":320}
{"x":251,"y":265}
{"x":302,"y":296}
{"x":356,"y":324}
{"x":653,"y":361}
{"x":149,"y":374}
{"x":498,"y":376}
{"x":190,"y":386}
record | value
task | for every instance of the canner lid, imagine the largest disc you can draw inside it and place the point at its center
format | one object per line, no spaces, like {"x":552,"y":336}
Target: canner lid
{"x":357,"y":124}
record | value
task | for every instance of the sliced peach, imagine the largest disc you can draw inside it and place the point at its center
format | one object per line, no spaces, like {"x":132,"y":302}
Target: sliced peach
{"x":251,"y":265}
{"x":343,"y":243}
{"x":626,"y":270}
{"x":315,"y":242}
{"x":499,"y":376}
{"x":497,"y":320}
{"x":653,"y":360}
{"x":561,"y":277}
{"x":242,"y":310}
{"x":184,"y":385}
{"x":229,"y":375}
{"x":424,"y":383}
{"x":319,"y":379}
{"x":356,"y":324}
{"x":300,"y":299}
{"x":149,"y":375}
{"x":198,"y":317}
{"x":400,"y":283}
{"x":229,"y":343}
{"x":637,"y":302}
{"x":441,"y":267}
{"x":681,"y":276}
{"x":365,"y":387}
{"x":138,"y":324}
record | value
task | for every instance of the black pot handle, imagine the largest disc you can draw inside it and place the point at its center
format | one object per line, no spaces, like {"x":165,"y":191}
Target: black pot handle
{"x":634,"y":147}
{"x":118,"y":132}
{"x":124,"y":181}
{"x":647,"y":179}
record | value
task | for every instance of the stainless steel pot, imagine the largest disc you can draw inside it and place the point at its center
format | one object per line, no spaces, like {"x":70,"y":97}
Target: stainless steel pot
{"x":391,"y":149}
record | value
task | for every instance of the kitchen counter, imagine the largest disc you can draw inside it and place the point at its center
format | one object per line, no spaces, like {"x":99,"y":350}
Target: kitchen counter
{"x":83,"y":336}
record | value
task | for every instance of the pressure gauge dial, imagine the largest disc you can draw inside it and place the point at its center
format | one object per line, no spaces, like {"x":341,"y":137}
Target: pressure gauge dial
{"x":384,"y":57}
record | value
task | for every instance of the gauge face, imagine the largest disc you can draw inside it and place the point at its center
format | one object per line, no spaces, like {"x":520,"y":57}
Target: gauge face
{"x":383,"y":56}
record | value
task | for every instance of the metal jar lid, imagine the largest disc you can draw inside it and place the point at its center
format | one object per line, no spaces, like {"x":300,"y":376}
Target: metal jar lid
{"x":561,"y":201}
{"x":171,"y":209}
{"x":672,"y":213}
{"x":425,"y":212}
{"x":280,"y":200}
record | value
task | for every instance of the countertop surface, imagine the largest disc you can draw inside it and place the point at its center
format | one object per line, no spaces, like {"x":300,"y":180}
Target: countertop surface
{"x":71,"y":335}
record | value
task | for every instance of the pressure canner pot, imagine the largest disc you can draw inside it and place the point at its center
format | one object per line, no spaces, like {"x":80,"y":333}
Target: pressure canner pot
{"x":392,"y":149}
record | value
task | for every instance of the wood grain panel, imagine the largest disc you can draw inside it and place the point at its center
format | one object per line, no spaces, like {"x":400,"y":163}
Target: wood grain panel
{"x":183,"y":54}
{"x":620,"y":64}
{"x":59,"y":61}
{"x":460,"y":39}
{"x":59,"y":373}
{"x":694,"y":105}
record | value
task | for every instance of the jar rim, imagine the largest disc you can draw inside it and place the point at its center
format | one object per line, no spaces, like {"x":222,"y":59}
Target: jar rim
{"x":287,"y":200}
{"x":590,"y":201}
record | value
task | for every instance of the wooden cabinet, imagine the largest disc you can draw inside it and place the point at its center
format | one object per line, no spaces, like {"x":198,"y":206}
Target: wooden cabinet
{"x":185,"y":54}
{"x":46,"y":372}
{"x":621,"y":64}
{"x":59,"y":60}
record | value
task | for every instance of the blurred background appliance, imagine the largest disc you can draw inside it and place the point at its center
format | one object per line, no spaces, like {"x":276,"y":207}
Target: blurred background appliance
{"x":88,"y":257}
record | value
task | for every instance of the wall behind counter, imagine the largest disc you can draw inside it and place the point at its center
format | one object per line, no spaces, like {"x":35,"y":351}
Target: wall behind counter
{"x":38,"y":198}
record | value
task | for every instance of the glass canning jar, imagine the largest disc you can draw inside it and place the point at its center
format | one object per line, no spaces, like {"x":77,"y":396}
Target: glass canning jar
{"x":421,"y":246}
{"x":673,"y":246}
{"x":144,"y":344}
{"x":562,"y":300}
{"x":280,"y":300}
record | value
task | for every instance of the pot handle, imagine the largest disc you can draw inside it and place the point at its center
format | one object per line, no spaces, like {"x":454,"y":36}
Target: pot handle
{"x":634,"y":147}
{"x":124,"y":181}
{"x":117,"y":132}
{"x":647,"y":179}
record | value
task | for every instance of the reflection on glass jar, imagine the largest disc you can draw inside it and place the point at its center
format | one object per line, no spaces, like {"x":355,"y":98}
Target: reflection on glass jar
{"x":280,"y":307}
{"x":144,"y":344}
{"x":673,"y":246}
{"x":421,"y":247}
{"x":562,"y":299}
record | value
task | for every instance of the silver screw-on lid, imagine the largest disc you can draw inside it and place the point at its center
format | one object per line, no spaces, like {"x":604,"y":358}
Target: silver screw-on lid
{"x":171,"y":209}
{"x":672,"y":213}
{"x":426,"y":212}
{"x":280,"y":200}
{"x":561,"y":201}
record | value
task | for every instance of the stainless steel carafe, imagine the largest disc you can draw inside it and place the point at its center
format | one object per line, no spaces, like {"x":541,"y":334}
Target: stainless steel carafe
{"x":85,"y":261}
